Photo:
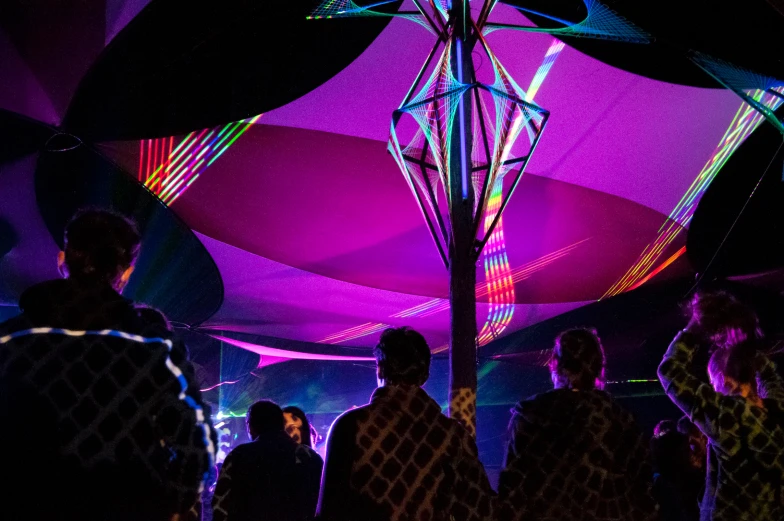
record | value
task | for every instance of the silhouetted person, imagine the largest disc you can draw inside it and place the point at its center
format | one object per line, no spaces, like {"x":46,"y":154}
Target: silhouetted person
{"x":108,"y":424}
{"x":574,"y":453}
{"x":741,"y":410}
{"x":677,"y":485}
{"x":271,"y":478}
{"x":398,"y":457}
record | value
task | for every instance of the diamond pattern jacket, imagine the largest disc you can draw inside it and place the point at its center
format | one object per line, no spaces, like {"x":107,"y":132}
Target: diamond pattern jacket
{"x":400,"y":459}
{"x":575,"y":456}
{"x":745,"y":438}
{"x":99,"y":410}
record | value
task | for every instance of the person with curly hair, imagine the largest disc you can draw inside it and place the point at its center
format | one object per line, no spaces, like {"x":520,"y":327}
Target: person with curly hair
{"x":740,"y":409}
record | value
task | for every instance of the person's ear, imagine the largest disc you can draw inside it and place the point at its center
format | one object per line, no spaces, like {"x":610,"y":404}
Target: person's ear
{"x":380,"y":372}
{"x":61,"y":263}
{"x":126,"y":275}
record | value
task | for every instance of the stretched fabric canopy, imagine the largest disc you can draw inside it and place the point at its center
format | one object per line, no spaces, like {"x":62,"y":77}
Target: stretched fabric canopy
{"x":271,"y":146}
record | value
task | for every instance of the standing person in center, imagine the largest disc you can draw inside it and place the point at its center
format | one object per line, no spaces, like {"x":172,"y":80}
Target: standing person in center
{"x":399,"y":458}
{"x":271,"y":478}
{"x":574,"y":453}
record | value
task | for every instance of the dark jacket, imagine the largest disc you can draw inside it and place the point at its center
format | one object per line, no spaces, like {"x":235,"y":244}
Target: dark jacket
{"x":677,"y":484}
{"x":99,"y":415}
{"x":745,"y":441}
{"x":575,"y":455}
{"x":270,"y":479}
{"x":399,"y":459}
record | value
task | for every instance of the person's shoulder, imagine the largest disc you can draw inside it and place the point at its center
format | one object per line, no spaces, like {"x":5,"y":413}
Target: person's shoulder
{"x":352,"y":416}
{"x":37,"y":301}
{"x":455,"y":427}
{"x":602,"y":399}
{"x":308,"y":454}
{"x":347,"y":423}
{"x":14,"y":324}
{"x":610,"y":407}
{"x":544,"y":397}
{"x":152,"y":319}
{"x":244,"y":449}
{"x":49,"y":289}
{"x":537,"y":402}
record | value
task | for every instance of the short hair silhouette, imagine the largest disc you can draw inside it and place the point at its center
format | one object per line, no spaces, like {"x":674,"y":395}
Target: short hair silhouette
{"x":100,"y":245}
{"x":403,"y":356}
{"x":265,"y":416}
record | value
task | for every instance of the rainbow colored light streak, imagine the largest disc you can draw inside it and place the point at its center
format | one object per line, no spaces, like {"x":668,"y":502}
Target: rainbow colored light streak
{"x":367,"y":328}
{"x":498,"y":274}
{"x":168,"y":171}
{"x":746,"y":119}
{"x":549,"y":59}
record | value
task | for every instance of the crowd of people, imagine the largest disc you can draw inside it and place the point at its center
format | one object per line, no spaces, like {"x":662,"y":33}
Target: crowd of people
{"x":111,"y":424}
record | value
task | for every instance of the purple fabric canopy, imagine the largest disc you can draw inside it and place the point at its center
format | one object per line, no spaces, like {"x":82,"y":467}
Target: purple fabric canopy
{"x":314,"y":229}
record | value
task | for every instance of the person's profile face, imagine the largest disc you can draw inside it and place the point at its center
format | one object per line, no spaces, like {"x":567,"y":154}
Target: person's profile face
{"x":293,"y":427}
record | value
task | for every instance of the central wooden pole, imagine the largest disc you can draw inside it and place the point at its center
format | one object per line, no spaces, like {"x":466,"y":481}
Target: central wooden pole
{"x":462,"y":260}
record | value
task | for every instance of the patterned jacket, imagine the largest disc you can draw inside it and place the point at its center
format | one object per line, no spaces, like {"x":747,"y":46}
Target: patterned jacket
{"x":272,"y":478}
{"x":400,"y":459}
{"x":98,"y":411}
{"x":745,"y":441}
{"x":575,"y":455}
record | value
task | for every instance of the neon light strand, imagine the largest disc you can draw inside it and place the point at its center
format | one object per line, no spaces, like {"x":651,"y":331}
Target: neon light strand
{"x":171,"y":170}
{"x":745,"y":121}
{"x":661,"y":267}
{"x":498,"y":275}
{"x":355,"y":332}
{"x":219,"y":384}
{"x":601,"y":22}
{"x":541,"y":73}
{"x":348,"y":9}
{"x":740,"y":80}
